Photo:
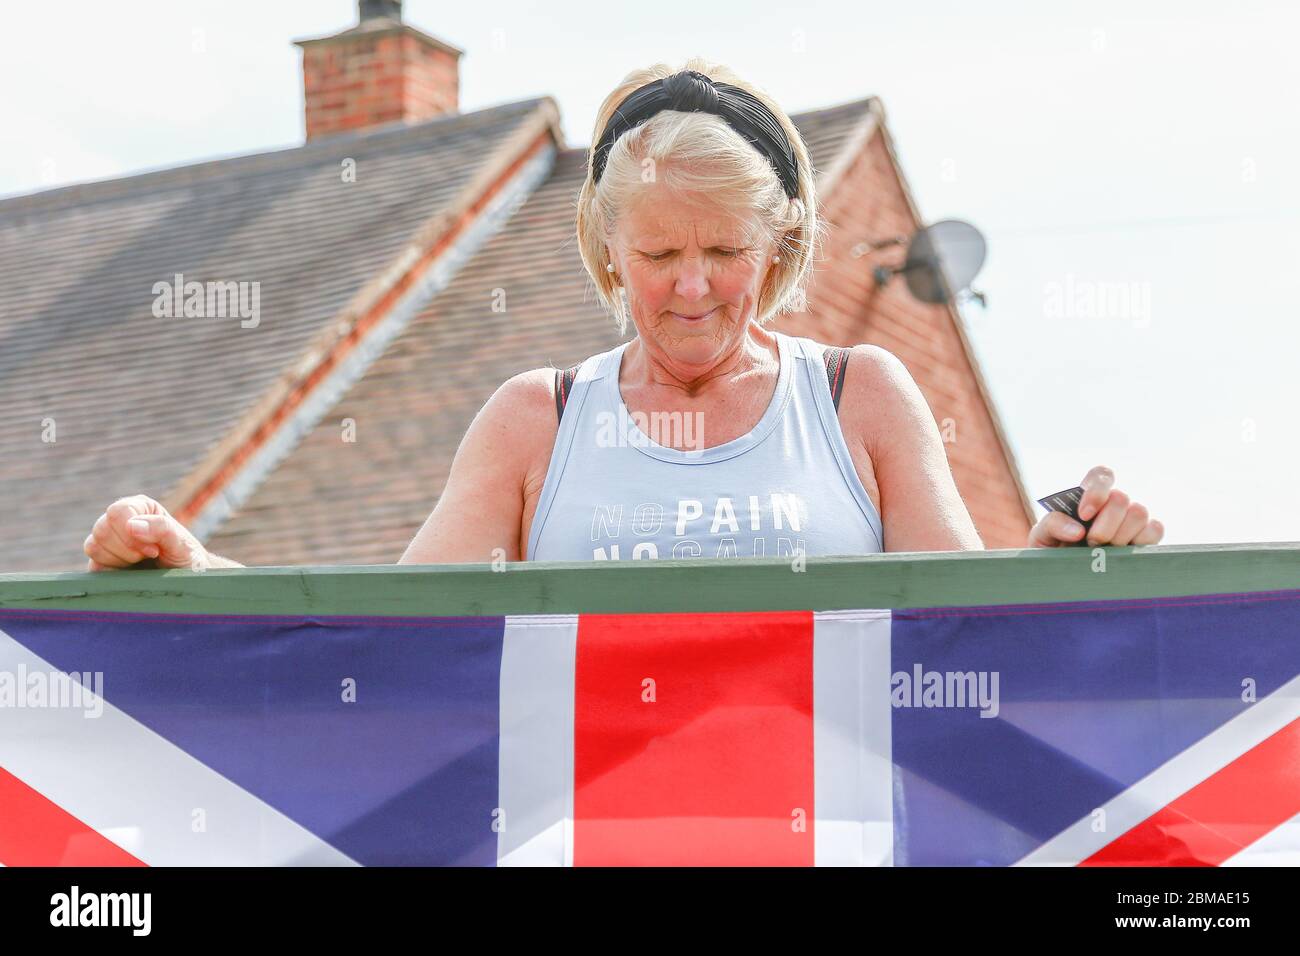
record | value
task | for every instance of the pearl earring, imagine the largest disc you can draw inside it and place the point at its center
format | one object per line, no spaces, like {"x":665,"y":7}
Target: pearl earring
{"x":776,"y":259}
{"x":609,"y":267}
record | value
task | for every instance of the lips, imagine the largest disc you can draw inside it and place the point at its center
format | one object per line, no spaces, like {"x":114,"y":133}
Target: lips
{"x":696,"y":318}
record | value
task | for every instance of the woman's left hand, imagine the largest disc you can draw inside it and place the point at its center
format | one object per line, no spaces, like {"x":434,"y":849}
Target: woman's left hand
{"x":1119,"y":521}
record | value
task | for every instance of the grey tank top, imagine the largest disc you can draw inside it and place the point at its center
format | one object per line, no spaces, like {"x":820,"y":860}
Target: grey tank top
{"x":612,"y":492}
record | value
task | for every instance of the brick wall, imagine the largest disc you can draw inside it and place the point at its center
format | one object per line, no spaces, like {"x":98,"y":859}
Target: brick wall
{"x":359,"y":80}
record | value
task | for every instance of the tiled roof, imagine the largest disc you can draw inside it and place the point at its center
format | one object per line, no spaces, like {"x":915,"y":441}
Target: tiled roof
{"x":361,"y":502}
{"x":136,"y":401}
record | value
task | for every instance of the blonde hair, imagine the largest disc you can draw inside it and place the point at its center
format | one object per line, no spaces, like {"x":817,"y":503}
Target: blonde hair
{"x":701,"y":156}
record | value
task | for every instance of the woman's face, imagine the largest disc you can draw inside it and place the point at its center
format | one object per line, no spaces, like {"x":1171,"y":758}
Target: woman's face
{"x":681,"y":258}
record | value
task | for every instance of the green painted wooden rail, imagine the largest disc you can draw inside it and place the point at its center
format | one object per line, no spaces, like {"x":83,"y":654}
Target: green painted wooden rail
{"x":896,"y":580}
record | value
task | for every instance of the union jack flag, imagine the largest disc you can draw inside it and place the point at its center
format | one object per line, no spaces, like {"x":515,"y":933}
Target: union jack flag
{"x":1153,"y":731}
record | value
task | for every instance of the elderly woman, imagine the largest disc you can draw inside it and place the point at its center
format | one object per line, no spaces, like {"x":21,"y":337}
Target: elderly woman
{"x":708,"y":434}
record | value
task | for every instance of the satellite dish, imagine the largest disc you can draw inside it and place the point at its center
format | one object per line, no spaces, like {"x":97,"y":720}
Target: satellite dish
{"x":942,"y":261}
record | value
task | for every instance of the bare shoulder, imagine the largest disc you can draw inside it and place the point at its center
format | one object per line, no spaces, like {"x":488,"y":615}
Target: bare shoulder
{"x":480,"y":510}
{"x":884,"y":410}
{"x":530,"y":394}
{"x":874,"y":357}
{"x":522,"y":418}
{"x":880,"y":397}
{"x":523,"y":408}
{"x":877,"y":368}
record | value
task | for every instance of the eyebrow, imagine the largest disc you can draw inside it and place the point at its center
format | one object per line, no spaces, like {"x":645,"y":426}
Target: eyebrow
{"x":735,"y":239}
{"x":733,"y":234}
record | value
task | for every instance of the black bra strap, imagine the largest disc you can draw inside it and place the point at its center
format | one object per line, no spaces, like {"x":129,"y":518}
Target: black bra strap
{"x":563,"y":385}
{"x":837,"y":360}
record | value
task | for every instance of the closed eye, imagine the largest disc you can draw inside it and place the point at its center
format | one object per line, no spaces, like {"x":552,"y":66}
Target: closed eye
{"x":659,"y":257}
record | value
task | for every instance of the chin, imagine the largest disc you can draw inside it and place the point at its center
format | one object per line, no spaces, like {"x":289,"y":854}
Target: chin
{"x":694,"y":337}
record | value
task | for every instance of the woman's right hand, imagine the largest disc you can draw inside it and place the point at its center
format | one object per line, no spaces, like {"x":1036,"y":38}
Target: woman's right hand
{"x":138,"y":532}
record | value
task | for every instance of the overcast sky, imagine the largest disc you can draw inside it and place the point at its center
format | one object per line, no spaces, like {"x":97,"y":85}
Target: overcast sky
{"x":1132,"y":164}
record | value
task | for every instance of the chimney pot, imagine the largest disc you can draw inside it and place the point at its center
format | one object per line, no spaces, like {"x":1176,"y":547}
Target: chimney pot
{"x":377,"y":9}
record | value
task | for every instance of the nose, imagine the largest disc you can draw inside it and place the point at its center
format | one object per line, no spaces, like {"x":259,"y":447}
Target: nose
{"x":692,"y":279}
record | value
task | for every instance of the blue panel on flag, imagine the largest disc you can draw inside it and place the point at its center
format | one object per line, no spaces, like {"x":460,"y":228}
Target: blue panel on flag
{"x":405,"y":774}
{"x":1091,"y":697}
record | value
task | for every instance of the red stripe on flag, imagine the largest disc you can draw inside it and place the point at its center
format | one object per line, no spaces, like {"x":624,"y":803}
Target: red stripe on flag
{"x":36,"y":832}
{"x":718,"y":768}
{"x":1220,"y":816}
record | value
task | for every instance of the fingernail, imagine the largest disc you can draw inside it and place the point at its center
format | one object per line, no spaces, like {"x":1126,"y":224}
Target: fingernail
{"x":1073,"y":528}
{"x":139,"y":525}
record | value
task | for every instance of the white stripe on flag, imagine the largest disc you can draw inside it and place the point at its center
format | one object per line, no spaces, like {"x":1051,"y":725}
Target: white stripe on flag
{"x":1171,"y":780}
{"x":535,"y":786}
{"x":854,"y":823}
{"x":140,"y":790}
{"x":1278,"y":847}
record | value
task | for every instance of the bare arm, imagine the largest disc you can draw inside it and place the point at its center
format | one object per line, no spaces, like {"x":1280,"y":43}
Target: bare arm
{"x":920,"y":506}
{"x":478,"y":518}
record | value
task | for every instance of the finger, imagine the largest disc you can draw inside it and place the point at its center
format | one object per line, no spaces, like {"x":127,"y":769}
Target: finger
{"x":97,"y":552}
{"x":136,"y":532}
{"x":1151,"y":534}
{"x":163,"y":533}
{"x":142,"y":504}
{"x":118,"y":516}
{"x":113,"y":543}
{"x":1108,"y":520}
{"x":1055,"y":530}
{"x":1135,"y":519}
{"x":1097,"y":485}
{"x":115,"y":533}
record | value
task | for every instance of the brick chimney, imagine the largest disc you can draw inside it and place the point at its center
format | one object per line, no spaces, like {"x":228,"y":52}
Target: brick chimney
{"x":380,"y":71}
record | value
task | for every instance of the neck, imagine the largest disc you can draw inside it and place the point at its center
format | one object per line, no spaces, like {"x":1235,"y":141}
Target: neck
{"x":651,"y":366}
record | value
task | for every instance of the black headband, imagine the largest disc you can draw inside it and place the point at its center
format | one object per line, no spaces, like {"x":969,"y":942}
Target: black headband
{"x":692,"y":92}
